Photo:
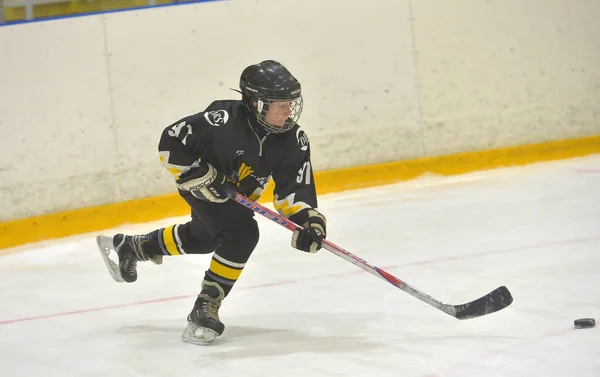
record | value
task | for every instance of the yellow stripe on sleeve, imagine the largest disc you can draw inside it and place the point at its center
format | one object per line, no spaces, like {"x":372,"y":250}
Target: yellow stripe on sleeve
{"x":175,"y":170}
{"x":287,"y":207}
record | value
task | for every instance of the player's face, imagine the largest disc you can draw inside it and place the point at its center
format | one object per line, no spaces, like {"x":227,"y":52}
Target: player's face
{"x":278,"y":113}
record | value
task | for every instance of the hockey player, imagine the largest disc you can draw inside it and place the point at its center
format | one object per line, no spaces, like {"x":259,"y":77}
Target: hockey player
{"x":241,"y":144}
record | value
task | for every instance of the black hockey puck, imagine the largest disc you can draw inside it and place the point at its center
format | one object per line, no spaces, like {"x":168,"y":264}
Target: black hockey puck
{"x":585,"y":323}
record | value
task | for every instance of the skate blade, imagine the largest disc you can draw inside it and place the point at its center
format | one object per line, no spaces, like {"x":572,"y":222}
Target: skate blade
{"x":105,"y":246}
{"x":201,"y":336}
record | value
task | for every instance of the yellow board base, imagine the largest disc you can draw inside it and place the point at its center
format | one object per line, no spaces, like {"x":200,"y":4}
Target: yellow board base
{"x":93,"y":219}
{"x":75,"y":7}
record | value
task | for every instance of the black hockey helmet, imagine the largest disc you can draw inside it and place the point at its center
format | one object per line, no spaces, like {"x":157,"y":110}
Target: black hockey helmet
{"x":268,"y":82}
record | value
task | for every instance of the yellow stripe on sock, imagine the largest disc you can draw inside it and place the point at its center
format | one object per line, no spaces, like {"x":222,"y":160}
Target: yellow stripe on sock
{"x":224,"y":271}
{"x":169,"y":241}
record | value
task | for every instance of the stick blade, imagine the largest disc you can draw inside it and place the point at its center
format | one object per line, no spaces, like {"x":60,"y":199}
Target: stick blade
{"x":494,"y":301}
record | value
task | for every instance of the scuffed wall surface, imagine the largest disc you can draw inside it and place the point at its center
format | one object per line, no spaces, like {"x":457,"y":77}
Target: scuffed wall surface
{"x":507,"y":72}
{"x":83,"y":100}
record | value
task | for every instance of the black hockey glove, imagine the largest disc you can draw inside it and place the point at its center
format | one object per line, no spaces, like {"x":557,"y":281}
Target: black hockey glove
{"x":311,"y":237}
{"x":205,"y":183}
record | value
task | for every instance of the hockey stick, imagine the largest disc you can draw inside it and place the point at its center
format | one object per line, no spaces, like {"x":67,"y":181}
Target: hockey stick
{"x":497,"y":299}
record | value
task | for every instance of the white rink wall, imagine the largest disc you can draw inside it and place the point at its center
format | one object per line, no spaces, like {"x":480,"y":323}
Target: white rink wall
{"x":84,"y":100}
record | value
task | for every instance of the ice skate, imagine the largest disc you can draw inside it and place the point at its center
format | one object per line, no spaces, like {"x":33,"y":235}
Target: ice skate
{"x":123,"y":266}
{"x":204,"y":325}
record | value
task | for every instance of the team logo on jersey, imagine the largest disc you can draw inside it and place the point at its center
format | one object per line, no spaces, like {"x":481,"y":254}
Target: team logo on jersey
{"x":302,"y":139}
{"x":217,"y":118}
{"x":244,"y":172}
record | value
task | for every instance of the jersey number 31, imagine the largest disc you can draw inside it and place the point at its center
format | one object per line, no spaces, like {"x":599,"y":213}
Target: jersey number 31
{"x":304,"y":173}
{"x":175,"y":131}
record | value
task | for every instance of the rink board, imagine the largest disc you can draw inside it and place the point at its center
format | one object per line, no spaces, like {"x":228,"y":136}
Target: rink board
{"x":92,"y":219}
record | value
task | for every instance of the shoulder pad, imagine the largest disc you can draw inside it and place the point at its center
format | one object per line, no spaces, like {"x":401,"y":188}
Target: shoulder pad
{"x":301,"y":138}
{"x":220,"y":112}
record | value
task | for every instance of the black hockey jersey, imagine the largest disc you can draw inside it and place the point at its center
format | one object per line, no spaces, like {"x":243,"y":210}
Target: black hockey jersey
{"x":225,"y":136}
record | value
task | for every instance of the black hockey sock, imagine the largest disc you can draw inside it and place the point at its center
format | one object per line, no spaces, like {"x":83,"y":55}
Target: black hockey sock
{"x":169,"y":241}
{"x":223,"y":272}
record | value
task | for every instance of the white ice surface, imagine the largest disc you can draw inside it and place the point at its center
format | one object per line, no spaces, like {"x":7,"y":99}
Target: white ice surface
{"x":535,"y":229}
